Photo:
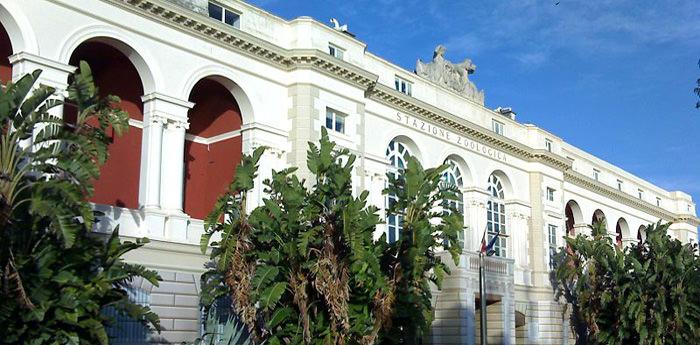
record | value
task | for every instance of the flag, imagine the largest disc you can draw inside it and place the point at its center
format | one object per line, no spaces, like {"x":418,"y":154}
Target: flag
{"x":486,"y":248}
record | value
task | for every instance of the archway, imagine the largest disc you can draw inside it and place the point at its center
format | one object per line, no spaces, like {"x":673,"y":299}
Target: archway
{"x":213,"y":145}
{"x":5,"y":52}
{"x":599,"y":217}
{"x":114,"y":74}
{"x":642,"y":233}
{"x":573,"y":216}
{"x":621,"y":231}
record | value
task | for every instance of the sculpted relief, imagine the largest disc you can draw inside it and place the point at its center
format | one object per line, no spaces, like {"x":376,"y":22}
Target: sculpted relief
{"x":450,"y":75}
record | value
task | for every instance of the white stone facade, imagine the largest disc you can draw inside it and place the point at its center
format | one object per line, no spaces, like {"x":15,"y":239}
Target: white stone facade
{"x":284,"y":80}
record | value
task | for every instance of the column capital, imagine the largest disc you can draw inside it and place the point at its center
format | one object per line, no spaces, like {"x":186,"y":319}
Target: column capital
{"x":159,"y":107}
{"x":54,"y":73}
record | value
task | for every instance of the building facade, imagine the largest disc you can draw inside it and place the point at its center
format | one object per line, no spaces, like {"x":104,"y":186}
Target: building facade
{"x":205,"y":82}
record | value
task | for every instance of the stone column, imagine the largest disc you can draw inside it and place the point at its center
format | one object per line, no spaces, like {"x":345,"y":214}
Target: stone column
{"x":158,"y":160}
{"x":172,"y":178}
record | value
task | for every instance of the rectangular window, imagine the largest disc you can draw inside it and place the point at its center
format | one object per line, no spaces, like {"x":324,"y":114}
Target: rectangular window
{"x":336,"y":51}
{"x":640,"y":194}
{"x":224,"y":15}
{"x":548,"y":145}
{"x":497,"y":127}
{"x":335,"y":120}
{"x":550,"y":194}
{"x":658,"y":201}
{"x":619,"y":185}
{"x":402,"y":86}
{"x":552,"y":229}
{"x":596,"y":174}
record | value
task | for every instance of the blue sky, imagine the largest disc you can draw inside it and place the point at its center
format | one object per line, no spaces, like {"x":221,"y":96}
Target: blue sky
{"x":613,"y":77}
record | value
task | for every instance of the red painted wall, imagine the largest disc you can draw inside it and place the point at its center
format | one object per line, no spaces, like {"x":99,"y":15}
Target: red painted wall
{"x":5,"y":52}
{"x":114,"y":74}
{"x":209,"y":169}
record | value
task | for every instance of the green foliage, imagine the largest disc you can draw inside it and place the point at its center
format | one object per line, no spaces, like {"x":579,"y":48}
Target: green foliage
{"x":645,"y":294}
{"x":411,"y":260}
{"x":232,"y":332}
{"x":302,"y":268}
{"x":57,"y":276}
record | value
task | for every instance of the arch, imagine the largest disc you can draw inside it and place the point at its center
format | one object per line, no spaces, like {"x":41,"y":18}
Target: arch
{"x":467,"y":178}
{"x":573,"y":216}
{"x":505,"y":182}
{"x":410,"y":144}
{"x":18,"y":29}
{"x":213,"y":145}
{"x":622,"y":231}
{"x":5,"y":52}
{"x":139,"y":56}
{"x":641,"y":233}
{"x":496,"y":213}
{"x":114,"y":74}
{"x":228,"y":79}
{"x":599,"y":216}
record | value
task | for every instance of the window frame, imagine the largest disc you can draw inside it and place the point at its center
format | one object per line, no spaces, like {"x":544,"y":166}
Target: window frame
{"x":640,"y":194}
{"x":658,"y":202}
{"x":401,"y":83}
{"x":335,"y":115}
{"x":596,"y":174}
{"x":496,"y":216}
{"x":619,"y":184}
{"x":548,"y":144}
{"x":550,"y":192}
{"x":498,"y":127}
{"x":333,"y":47}
{"x":224,"y":9}
{"x":453,"y":174}
{"x":397,"y":153}
{"x":552,"y":243}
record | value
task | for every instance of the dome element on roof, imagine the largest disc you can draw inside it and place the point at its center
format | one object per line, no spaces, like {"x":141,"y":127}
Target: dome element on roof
{"x":450,"y":75}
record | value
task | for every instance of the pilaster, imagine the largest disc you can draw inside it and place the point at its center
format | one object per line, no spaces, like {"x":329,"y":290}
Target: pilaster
{"x":475,"y":208}
{"x":538,"y":253}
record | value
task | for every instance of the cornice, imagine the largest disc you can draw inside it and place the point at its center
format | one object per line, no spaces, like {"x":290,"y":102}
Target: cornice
{"x":626,"y":199}
{"x":402,"y":102}
{"x":245,"y":43}
{"x":334,"y":67}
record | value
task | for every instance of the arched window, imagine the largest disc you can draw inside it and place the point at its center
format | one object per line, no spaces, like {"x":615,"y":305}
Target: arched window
{"x":453,"y":176}
{"x":398,"y":154}
{"x":496,"y":215}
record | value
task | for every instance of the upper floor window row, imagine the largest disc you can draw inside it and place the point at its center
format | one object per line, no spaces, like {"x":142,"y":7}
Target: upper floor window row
{"x":497,"y":127}
{"x":336,"y":51}
{"x":224,"y":15}
{"x":402,"y":86}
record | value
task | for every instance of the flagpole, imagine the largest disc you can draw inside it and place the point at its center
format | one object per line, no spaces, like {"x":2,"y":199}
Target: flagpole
{"x":482,"y":297}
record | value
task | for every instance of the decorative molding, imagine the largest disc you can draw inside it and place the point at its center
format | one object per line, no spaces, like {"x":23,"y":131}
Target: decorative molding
{"x":408,"y":104}
{"x":213,"y":140}
{"x":626,"y":199}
